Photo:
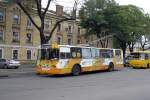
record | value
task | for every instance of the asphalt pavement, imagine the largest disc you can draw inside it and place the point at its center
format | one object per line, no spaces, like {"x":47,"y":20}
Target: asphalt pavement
{"x":127,"y":84}
{"x":22,"y":70}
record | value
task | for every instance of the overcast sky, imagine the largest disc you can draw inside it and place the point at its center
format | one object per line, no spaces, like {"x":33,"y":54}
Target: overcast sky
{"x":68,"y":4}
{"x":145,"y":4}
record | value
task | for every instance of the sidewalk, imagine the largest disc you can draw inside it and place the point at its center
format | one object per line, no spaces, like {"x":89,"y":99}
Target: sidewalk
{"x":22,"y":70}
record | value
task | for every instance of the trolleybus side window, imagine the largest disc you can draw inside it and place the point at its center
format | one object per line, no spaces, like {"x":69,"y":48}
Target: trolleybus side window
{"x":106,"y":53}
{"x":76,"y":52}
{"x":52,"y":53}
{"x":146,"y":56}
{"x":135,"y":55}
{"x":118,"y":54}
{"x":142,"y":56}
{"x":95,"y":52}
{"x":65,"y":53}
{"x":86,"y":53}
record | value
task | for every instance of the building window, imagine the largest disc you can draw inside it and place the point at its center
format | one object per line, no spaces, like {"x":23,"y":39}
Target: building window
{"x":69,"y":29}
{"x":78,"y":42}
{"x":87,"y":41}
{"x":28,"y":37}
{"x":1,"y":53}
{"x":58,"y":40}
{"x":15,"y":19}
{"x":46,"y":24}
{"x":15,"y":37}
{"x":1,"y":16}
{"x":15,"y":54}
{"x":1,"y":35}
{"x":29,"y":23}
{"x":69,"y":41}
{"x":91,"y":38}
{"x":29,"y":54}
{"x":59,"y":28}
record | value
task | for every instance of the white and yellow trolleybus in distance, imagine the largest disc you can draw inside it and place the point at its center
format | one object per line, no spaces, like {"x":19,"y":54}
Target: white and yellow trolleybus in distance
{"x":68,"y":59}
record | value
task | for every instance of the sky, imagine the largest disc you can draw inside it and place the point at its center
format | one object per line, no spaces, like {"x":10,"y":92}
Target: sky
{"x":145,"y":4}
{"x":68,"y":4}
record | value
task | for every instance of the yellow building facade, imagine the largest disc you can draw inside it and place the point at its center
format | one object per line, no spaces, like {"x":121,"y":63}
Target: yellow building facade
{"x":19,"y":39}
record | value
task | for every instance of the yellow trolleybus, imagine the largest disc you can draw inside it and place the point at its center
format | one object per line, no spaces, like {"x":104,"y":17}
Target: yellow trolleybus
{"x":67,"y":59}
{"x":140,"y":59}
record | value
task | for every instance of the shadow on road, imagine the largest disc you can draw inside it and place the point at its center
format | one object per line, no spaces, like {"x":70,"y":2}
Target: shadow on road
{"x":82,"y":74}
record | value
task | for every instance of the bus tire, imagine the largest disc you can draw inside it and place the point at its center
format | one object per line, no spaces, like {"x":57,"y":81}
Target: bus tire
{"x":148,"y":66}
{"x":111,"y":67}
{"x":76,"y":70}
{"x":5,"y":66}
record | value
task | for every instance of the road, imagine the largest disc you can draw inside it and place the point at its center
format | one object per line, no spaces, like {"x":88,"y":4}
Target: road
{"x":127,"y":84}
{"x":21,"y":71}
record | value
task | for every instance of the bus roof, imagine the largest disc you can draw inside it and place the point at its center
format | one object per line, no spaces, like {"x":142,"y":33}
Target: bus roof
{"x":79,"y":46}
{"x":141,"y":52}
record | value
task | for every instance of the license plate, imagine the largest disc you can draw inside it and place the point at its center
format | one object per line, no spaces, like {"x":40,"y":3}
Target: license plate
{"x":45,"y":67}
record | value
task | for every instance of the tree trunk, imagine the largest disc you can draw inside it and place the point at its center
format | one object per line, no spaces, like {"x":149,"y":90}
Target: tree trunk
{"x":131,"y":46}
{"x":42,"y":38}
{"x":123,"y":47}
{"x":102,"y":45}
{"x":107,"y":43}
{"x":143,"y":46}
{"x":43,"y":41}
{"x":131,"y":49}
{"x":124,"y":54}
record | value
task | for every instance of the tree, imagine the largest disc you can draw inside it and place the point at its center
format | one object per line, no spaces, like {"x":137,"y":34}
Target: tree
{"x":133,"y":39}
{"x":144,"y":40}
{"x":145,"y":32}
{"x":41,"y":13}
{"x":93,"y":19}
{"x":125,"y":22}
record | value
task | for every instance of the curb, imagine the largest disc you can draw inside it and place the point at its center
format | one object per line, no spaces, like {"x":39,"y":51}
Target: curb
{"x":17,"y":74}
{"x":2,"y":76}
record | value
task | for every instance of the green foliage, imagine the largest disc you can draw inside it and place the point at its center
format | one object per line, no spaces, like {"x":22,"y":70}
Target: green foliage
{"x":125,"y":20}
{"x":93,"y":18}
{"x":128,"y":23}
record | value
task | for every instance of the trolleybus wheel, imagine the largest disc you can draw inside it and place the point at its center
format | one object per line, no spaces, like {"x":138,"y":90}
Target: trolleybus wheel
{"x":148,"y":66}
{"x":76,"y":70}
{"x":111,"y":67}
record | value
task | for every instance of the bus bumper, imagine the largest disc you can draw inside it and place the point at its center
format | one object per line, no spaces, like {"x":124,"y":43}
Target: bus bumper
{"x":53,"y":71}
{"x":138,"y":66}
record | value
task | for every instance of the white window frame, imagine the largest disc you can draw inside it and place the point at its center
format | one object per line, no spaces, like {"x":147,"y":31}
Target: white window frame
{"x":15,"y":37}
{"x":59,"y":27}
{"x":17,"y":55}
{"x":2,"y":52}
{"x":3,"y":35}
{"x":70,"y":28}
{"x":15,"y":16}
{"x":69,"y":41}
{"x":2,"y":13}
{"x":60,"y":40}
{"x":26,"y":54}
{"x":47,"y":23}
{"x":27,"y":38}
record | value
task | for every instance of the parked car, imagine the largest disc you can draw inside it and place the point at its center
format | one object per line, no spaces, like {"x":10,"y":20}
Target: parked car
{"x":5,"y":63}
